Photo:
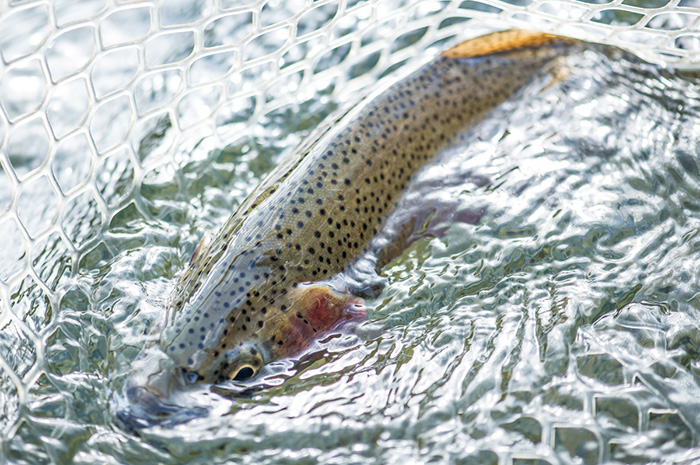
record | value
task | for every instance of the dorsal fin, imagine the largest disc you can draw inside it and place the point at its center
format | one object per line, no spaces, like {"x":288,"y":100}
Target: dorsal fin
{"x":503,"y":41}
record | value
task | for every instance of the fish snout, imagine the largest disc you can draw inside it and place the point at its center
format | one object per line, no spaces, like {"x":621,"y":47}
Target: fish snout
{"x":155,"y":395}
{"x":144,"y":409}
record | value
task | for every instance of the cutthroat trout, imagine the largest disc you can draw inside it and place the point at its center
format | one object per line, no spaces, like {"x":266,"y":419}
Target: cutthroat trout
{"x":259,"y":291}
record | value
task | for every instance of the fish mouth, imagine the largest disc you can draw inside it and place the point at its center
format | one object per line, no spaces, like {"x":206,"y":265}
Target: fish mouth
{"x":143,"y":409}
{"x":155,"y":395}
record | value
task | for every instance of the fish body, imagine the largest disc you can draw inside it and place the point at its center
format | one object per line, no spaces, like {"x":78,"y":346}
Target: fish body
{"x":258,"y":291}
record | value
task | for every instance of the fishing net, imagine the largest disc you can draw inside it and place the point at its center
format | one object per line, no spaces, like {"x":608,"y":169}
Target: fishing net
{"x":95,"y":96}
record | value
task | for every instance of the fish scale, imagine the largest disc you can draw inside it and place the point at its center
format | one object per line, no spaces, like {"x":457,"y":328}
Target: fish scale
{"x":315,"y":214}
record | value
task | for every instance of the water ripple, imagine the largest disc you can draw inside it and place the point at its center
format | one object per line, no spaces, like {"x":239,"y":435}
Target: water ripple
{"x":562,"y":328}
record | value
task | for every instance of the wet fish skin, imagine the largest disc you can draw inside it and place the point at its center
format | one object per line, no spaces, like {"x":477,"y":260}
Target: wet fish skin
{"x":256,"y":292}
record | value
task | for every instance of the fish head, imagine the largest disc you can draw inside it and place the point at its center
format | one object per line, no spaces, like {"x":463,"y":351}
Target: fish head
{"x":246,"y":314}
{"x":162,"y":381}
{"x":291,"y":323}
{"x":244,"y":302}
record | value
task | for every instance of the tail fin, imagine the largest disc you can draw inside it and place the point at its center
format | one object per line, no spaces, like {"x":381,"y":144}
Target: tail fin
{"x":505,"y":41}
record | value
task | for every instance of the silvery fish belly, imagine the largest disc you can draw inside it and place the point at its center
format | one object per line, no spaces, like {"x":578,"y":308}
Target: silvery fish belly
{"x":258,"y":291}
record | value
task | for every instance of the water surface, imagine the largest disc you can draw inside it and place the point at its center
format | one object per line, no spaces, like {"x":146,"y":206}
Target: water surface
{"x":562,"y":328}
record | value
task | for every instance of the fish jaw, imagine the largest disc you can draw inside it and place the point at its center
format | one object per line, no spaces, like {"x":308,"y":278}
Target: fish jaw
{"x":153,"y":394}
{"x":155,"y":372}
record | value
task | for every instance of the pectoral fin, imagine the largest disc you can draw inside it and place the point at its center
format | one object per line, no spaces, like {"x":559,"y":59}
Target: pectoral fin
{"x":427,"y":221}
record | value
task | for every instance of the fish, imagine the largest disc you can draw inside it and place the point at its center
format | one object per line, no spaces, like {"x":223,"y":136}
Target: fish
{"x":262,"y":288}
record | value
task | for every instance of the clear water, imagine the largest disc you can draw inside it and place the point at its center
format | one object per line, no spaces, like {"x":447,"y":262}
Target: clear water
{"x":563,"y":328}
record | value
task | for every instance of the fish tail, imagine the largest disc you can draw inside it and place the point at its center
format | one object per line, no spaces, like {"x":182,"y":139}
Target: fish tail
{"x":506,"y":41}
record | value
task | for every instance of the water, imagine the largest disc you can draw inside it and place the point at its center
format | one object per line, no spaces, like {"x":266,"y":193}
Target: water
{"x":562,"y":328}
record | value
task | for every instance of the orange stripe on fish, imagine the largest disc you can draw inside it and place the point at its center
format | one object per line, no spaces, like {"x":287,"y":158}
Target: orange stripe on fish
{"x":504,"y":41}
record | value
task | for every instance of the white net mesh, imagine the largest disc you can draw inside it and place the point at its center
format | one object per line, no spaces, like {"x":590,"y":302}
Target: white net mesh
{"x":95,"y":96}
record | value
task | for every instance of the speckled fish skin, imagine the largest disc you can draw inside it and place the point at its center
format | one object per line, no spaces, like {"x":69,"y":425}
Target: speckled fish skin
{"x":256,"y":292}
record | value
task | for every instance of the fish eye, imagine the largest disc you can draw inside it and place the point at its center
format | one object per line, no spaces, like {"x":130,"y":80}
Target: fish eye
{"x":243,"y":372}
{"x":240,"y":363}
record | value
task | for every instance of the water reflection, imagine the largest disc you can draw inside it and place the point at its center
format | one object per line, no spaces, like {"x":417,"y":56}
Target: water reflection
{"x":561,"y":328}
